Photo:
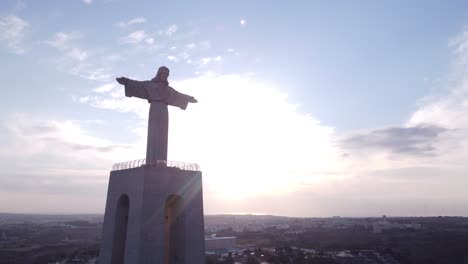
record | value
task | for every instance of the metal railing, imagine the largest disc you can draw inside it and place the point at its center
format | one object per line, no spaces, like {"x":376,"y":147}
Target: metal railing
{"x":159,"y":163}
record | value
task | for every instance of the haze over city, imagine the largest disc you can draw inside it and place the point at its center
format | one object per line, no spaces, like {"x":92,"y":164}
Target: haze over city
{"x":305,"y":109}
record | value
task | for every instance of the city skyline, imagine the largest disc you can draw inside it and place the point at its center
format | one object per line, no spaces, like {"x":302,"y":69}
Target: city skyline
{"x":305,"y":109}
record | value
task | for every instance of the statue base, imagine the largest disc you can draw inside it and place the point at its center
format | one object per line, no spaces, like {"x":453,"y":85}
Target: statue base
{"x":154,"y":214}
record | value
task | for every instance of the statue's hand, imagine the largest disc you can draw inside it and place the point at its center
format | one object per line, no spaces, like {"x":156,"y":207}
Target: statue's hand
{"x":122,"y":80}
{"x":193,"y":100}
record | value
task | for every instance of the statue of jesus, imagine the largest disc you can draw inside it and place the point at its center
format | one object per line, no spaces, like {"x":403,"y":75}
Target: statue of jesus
{"x":159,"y":94}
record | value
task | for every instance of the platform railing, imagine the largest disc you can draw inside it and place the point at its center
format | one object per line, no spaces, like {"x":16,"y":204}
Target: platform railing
{"x":159,"y":163}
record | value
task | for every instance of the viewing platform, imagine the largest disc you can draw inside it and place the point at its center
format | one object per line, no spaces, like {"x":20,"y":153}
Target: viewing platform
{"x":160,"y":163}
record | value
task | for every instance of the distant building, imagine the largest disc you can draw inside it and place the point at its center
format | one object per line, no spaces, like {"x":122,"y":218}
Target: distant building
{"x":282,"y":226}
{"x":379,"y":226}
{"x":218,"y":243}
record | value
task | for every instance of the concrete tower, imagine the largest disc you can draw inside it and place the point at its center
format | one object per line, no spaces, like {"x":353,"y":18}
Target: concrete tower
{"x":154,"y":208}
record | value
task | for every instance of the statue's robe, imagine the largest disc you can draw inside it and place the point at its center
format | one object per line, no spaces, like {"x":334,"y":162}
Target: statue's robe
{"x":159,"y":96}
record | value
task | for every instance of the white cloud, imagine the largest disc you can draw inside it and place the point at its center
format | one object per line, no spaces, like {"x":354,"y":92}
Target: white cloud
{"x":138,"y":20}
{"x":171,"y":30}
{"x":172,"y":58}
{"x":459,"y":46}
{"x":200,"y":46}
{"x":204,"y":45}
{"x":78,"y":54}
{"x":12,"y":32}
{"x":87,"y":1}
{"x":79,"y":61}
{"x":114,"y":58}
{"x":66,"y":42}
{"x":135,"y":37}
{"x":62,"y":40}
{"x":105,"y":88}
{"x":191,"y":45}
{"x":107,"y":98}
{"x":149,"y":41}
{"x":57,"y":159}
{"x":92,"y":73}
{"x":184,"y":55}
{"x":83,"y":99}
{"x":449,"y":108}
{"x":64,"y":140}
{"x":207,"y":60}
{"x":240,"y":121}
{"x":247,"y":134}
{"x":252,"y":141}
{"x":423,"y":157}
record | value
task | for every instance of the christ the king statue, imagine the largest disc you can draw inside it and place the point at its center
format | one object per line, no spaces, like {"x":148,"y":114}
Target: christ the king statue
{"x":159,"y":94}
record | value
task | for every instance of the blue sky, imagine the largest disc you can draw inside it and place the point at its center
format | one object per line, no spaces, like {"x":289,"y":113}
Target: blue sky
{"x":345,"y":108}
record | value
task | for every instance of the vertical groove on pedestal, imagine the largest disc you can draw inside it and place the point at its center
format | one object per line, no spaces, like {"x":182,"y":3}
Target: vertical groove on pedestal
{"x":120,"y":230}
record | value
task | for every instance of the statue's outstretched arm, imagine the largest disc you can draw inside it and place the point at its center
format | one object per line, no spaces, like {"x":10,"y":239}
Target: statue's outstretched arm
{"x":135,"y":88}
{"x":122,"y":80}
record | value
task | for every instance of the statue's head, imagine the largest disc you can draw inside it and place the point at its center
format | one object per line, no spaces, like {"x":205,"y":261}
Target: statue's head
{"x":162,"y":75}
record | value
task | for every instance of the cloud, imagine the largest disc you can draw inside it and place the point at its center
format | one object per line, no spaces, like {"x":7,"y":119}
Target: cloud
{"x":79,"y":61}
{"x":190,"y":45}
{"x":63,"y":41}
{"x":137,"y":37}
{"x":422,"y":156}
{"x":56,"y":159}
{"x":179,"y":56}
{"x":104,"y":88}
{"x":169,"y":31}
{"x":404,"y":169}
{"x":172,"y":58}
{"x":447,"y":110}
{"x":88,"y":2}
{"x":12,"y":32}
{"x":134,"y":21}
{"x":191,"y":49}
{"x":65,"y":137}
{"x":111,"y":96}
{"x":78,"y":54}
{"x":204,"y":45}
{"x":459,"y":46}
{"x":416,"y":140}
{"x":253,"y":143}
{"x":243,"y":132}
{"x":208,"y":60}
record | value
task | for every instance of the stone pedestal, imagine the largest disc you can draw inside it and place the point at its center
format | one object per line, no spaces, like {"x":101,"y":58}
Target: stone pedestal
{"x":153,"y":215}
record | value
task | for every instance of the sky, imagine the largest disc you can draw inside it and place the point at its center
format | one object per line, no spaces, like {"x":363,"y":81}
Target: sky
{"x":306,"y":108}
